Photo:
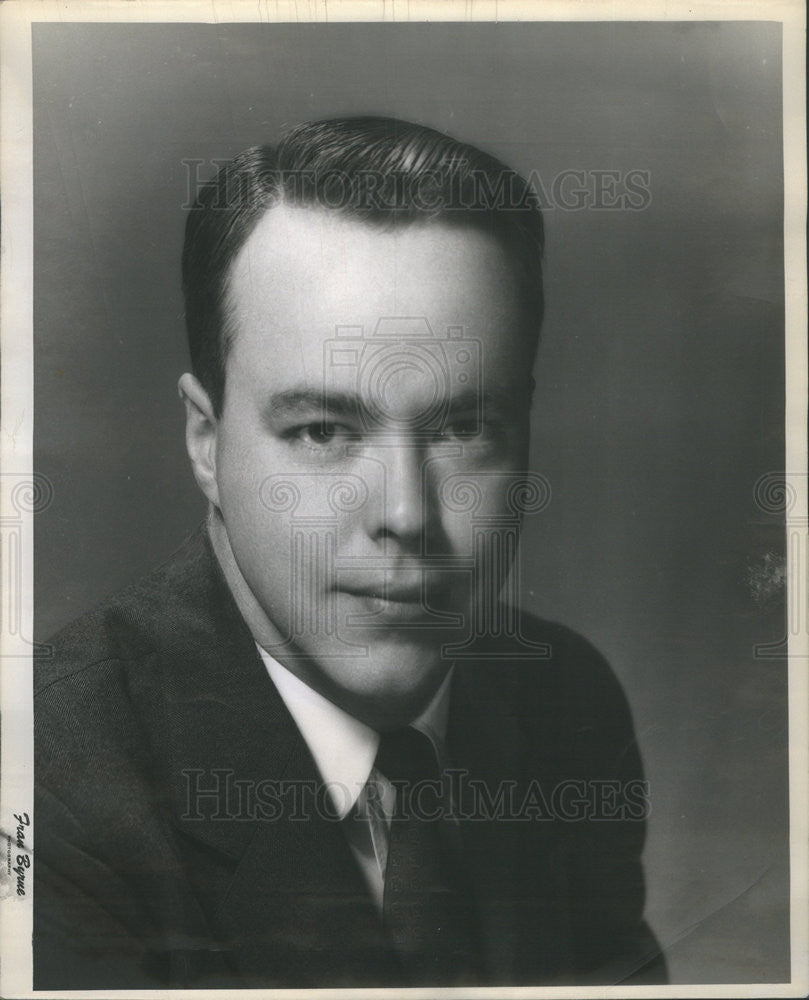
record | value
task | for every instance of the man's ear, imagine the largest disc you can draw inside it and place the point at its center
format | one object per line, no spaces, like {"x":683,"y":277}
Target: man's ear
{"x":201,"y":428}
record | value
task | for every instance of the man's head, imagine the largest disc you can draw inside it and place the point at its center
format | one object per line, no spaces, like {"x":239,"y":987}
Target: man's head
{"x":363,"y":304}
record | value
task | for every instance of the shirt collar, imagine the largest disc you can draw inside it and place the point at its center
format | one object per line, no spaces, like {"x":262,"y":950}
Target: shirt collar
{"x":343,"y":748}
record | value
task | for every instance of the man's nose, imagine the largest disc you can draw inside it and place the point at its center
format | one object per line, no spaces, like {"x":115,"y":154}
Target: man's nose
{"x":401,"y":510}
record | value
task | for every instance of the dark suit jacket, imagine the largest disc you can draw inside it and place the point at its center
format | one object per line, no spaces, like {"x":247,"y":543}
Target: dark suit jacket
{"x":162,"y":690}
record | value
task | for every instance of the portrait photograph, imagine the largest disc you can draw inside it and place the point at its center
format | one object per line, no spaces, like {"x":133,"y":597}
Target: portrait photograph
{"x":404,"y":499}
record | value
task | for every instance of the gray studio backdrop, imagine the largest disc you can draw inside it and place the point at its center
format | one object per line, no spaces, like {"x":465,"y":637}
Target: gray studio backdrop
{"x":660,"y":381}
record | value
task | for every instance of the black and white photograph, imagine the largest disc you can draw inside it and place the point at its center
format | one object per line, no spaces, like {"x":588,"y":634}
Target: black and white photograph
{"x":404,"y":499}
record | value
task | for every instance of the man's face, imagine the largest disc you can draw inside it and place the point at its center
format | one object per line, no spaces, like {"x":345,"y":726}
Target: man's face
{"x":371,"y":374}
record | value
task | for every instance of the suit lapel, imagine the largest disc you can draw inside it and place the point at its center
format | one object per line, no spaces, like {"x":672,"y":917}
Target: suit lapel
{"x":273,"y":871}
{"x":297,"y":909}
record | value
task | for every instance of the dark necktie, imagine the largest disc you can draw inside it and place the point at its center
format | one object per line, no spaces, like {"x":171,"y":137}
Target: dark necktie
{"x":426,"y":908}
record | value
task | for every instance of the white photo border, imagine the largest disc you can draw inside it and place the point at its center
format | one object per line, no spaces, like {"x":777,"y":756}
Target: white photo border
{"x":20,"y":493}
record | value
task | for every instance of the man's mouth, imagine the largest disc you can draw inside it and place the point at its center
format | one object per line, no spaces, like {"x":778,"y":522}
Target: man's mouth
{"x":403,"y":593}
{"x":391,"y":600}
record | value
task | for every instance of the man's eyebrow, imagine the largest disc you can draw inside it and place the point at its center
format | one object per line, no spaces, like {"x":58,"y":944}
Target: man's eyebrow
{"x":292,"y":401}
{"x":305,"y":401}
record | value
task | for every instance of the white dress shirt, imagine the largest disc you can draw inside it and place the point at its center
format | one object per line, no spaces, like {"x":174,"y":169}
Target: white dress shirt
{"x":344,"y":750}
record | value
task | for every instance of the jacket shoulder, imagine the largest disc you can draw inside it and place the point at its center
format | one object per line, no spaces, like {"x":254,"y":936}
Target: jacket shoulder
{"x":551,"y":672}
{"x":540,"y":651}
{"x":127,"y":626}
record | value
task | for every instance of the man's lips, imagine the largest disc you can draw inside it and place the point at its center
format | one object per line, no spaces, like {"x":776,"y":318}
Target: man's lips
{"x":401,"y":593}
{"x":398,"y":598}
{"x":405,"y":585}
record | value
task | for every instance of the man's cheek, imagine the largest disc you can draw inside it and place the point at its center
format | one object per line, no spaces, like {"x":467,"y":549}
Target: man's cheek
{"x":273,"y":569}
{"x":457,"y":530}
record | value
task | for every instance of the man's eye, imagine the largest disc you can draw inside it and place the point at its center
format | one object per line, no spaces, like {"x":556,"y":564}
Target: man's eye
{"x":322,"y":433}
{"x":463,"y":428}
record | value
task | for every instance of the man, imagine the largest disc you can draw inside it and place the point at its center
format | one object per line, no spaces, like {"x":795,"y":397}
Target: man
{"x":316,"y":747}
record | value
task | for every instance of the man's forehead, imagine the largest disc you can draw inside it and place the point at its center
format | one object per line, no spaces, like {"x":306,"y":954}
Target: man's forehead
{"x":357,"y":267}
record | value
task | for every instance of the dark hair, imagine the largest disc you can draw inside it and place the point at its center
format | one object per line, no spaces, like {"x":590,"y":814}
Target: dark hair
{"x":380,"y":170}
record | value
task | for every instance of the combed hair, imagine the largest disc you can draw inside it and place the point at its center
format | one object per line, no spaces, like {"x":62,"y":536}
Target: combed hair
{"x":379,"y":170}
